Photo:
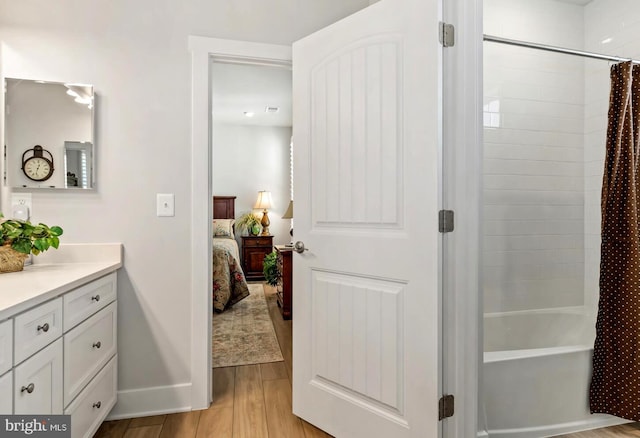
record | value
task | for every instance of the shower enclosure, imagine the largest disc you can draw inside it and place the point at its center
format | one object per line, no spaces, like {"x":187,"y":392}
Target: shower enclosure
{"x":545,"y":122}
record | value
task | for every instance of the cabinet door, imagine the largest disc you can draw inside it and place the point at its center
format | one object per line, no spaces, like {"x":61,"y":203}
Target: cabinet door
{"x":6,"y":394}
{"x":38,"y":382}
{"x":87,"y":348}
{"x":6,"y":346}
{"x":93,"y":404}
{"x":36,"y":328}
{"x":88,"y":299}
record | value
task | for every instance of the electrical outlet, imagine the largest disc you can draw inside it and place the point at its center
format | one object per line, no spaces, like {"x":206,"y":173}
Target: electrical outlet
{"x":21,"y":206}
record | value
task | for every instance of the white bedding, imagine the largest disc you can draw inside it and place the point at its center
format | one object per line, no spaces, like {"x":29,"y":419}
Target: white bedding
{"x":229,"y":244}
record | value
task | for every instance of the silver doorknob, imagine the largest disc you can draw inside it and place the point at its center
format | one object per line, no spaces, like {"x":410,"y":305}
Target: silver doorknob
{"x":29,"y":388}
{"x":299,"y":247}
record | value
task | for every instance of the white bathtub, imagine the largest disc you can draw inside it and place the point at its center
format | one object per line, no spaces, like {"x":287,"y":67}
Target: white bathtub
{"x":537,"y":368}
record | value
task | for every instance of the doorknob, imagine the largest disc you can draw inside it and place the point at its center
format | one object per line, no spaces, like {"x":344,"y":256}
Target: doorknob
{"x":299,"y":247}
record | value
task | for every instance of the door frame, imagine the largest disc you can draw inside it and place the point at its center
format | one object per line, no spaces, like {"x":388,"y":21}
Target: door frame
{"x":462,"y":97}
{"x":462,"y":180}
{"x":203,"y":52}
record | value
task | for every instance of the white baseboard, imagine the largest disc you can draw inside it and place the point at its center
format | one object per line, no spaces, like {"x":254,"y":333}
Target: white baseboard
{"x":152,"y":401}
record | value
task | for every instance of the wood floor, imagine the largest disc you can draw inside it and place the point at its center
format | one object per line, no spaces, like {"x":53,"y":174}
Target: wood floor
{"x":251,"y":401}
{"x":625,"y":430}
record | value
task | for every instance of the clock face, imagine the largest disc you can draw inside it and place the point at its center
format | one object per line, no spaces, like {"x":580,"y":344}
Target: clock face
{"x":38,"y":169}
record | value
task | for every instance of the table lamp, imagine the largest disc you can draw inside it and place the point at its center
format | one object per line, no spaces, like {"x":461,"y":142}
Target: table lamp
{"x":289,"y":215}
{"x":264,"y":202}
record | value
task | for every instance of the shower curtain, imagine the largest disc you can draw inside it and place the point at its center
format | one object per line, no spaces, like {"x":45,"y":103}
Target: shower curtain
{"x":615,"y":383}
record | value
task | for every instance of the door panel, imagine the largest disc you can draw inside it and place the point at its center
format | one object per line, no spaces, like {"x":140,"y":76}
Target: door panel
{"x":366,"y":136}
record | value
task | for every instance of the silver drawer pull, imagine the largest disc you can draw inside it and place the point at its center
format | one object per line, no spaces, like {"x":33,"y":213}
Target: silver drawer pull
{"x":44,"y":327}
{"x":97,"y":405}
{"x":95,"y":298}
{"x":97,"y":344}
{"x":29,"y":388}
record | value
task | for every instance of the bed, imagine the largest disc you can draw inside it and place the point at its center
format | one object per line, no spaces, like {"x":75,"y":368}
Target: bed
{"x":229,"y":284}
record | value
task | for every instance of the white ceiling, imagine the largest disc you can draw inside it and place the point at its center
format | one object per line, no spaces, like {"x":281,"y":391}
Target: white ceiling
{"x":578,"y":2}
{"x":237,"y":88}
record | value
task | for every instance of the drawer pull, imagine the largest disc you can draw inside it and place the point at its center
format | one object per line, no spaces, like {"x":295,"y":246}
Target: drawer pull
{"x":96,"y":298}
{"x":97,"y":405}
{"x":44,"y":327}
{"x":29,"y":388}
{"x":97,"y":344}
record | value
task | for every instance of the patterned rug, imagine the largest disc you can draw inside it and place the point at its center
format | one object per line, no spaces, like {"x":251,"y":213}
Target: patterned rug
{"x":244,"y":333}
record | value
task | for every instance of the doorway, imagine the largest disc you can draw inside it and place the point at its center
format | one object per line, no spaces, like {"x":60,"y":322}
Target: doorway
{"x":251,"y":153}
{"x":391,"y":286}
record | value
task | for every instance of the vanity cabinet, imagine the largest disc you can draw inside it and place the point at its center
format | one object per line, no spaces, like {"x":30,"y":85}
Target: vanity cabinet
{"x":60,"y":356}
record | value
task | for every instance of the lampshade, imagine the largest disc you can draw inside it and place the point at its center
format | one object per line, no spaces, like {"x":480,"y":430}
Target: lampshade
{"x":264,"y":200}
{"x":289,"y":213}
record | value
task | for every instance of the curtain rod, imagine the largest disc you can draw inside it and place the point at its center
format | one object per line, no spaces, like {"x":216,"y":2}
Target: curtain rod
{"x":495,"y":39}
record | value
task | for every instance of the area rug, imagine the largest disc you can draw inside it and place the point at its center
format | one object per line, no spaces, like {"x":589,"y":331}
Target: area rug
{"x":244,"y":333}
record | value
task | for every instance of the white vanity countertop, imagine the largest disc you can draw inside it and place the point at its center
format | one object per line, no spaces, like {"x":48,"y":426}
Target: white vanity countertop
{"x":56,"y":272}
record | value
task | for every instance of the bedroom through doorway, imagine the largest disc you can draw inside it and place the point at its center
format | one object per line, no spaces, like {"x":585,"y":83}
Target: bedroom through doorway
{"x":251,"y":126}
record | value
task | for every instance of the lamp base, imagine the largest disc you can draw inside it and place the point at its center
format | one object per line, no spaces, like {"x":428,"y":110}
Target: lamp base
{"x":265,"y":222}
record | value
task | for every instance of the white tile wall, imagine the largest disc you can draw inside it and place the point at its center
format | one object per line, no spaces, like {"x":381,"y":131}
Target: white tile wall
{"x":544,"y":151}
{"x":534,"y":184}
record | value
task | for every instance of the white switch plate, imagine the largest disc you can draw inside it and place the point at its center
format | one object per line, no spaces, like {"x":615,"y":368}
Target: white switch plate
{"x":21,"y":206}
{"x":165,"y":204}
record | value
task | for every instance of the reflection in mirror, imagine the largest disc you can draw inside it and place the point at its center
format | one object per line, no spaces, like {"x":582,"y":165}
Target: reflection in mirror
{"x":77,"y":164}
{"x":59,"y":118}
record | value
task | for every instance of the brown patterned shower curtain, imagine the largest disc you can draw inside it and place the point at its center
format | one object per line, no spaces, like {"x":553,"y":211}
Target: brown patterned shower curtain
{"x":615,"y":383}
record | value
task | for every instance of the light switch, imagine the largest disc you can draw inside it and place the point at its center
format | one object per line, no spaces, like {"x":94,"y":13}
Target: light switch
{"x":165,"y":204}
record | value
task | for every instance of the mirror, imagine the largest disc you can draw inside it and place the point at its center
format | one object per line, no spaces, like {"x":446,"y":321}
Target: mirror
{"x":49,"y":135}
{"x":78,"y":158}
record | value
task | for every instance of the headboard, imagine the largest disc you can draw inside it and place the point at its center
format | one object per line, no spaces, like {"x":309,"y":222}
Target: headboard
{"x":224,"y":207}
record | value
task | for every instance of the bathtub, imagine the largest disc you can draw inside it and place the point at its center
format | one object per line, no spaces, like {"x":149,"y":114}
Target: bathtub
{"x":537,"y":368}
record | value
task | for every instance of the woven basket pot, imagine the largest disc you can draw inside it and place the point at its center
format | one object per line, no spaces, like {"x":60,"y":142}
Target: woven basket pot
{"x":11,"y":260}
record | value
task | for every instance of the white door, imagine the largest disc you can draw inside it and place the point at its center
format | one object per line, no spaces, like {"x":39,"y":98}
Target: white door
{"x":365,"y":295}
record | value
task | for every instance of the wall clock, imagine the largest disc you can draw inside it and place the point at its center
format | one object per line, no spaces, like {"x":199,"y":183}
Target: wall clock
{"x":37,"y":167}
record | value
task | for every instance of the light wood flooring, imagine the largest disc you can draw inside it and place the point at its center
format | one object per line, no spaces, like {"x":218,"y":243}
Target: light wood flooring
{"x":625,"y":430}
{"x":250,"y":401}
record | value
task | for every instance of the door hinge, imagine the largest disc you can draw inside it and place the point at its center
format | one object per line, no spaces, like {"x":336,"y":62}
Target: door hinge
{"x":445,"y":221}
{"x":445,"y":407}
{"x":447,"y":34}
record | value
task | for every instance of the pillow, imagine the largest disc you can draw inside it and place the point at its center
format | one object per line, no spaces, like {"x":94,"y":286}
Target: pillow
{"x":223,"y":228}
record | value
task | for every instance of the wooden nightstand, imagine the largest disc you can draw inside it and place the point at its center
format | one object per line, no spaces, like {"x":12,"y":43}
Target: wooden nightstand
{"x":254,"y":248}
{"x":285,"y":271}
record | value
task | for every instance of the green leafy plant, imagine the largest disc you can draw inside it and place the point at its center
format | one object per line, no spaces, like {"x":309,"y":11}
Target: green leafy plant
{"x":27,"y":238}
{"x":249,"y":222}
{"x":270,"y":268}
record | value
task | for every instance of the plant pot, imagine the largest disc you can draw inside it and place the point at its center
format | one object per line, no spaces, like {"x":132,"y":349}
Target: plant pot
{"x":11,"y":260}
{"x":254,"y":230}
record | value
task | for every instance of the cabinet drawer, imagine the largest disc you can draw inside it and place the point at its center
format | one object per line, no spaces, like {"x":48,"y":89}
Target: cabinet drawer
{"x":6,"y":394}
{"x":37,"y":328}
{"x":6,"y":346}
{"x":87,"y":348}
{"x":88,"y":299}
{"x":257,"y":242}
{"x":42,"y":375}
{"x":94,"y":403}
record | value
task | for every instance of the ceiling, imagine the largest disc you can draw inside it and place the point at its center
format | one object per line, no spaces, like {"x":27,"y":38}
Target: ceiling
{"x":578,"y":2}
{"x":240,"y":88}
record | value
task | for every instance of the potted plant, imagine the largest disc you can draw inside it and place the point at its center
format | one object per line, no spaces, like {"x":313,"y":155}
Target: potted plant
{"x":20,"y":238}
{"x":250,"y":222}
{"x":270,"y":268}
